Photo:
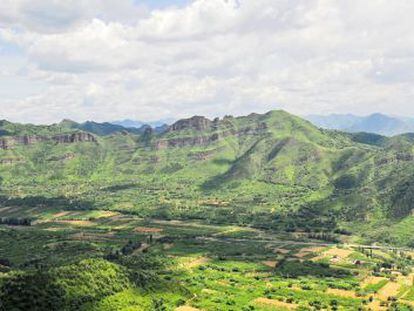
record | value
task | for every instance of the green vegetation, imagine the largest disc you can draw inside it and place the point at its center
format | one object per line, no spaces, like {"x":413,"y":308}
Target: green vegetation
{"x":263,"y":212}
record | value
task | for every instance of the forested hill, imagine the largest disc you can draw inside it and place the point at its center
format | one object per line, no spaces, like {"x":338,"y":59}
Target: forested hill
{"x":272,"y":170}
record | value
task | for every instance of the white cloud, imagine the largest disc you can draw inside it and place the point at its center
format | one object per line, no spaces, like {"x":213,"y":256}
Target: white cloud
{"x":109,"y":59}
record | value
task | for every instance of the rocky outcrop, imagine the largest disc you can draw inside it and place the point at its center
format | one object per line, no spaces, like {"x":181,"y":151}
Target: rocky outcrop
{"x":179,"y":142}
{"x":10,"y":142}
{"x":195,"y":123}
{"x":79,"y":137}
{"x":399,"y":157}
{"x":203,"y":155}
{"x":186,"y":141}
{"x":3,"y":144}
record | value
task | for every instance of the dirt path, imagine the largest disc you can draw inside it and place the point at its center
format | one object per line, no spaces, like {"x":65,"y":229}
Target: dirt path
{"x":320,"y":244}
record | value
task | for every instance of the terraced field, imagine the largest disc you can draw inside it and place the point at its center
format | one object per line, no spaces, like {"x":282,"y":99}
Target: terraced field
{"x":218,"y":267}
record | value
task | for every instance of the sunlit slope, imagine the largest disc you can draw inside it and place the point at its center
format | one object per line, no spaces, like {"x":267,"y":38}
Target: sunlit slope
{"x":261,"y":166}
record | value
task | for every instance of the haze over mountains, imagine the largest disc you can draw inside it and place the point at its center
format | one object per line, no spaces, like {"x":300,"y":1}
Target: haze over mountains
{"x":128,"y":123}
{"x":375,"y":123}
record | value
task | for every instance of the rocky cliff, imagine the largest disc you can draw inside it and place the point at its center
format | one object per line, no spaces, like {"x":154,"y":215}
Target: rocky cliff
{"x":9,"y":142}
{"x":195,"y":123}
{"x":210,"y":132}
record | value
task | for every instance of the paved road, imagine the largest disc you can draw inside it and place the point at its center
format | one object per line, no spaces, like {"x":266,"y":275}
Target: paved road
{"x":278,"y":241}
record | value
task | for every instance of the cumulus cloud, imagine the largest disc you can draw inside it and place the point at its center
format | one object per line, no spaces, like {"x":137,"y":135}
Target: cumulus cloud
{"x":111,"y":59}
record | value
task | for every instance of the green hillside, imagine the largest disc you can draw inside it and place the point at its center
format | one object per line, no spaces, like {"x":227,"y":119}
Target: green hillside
{"x":262,"y":170}
{"x":262,"y":212}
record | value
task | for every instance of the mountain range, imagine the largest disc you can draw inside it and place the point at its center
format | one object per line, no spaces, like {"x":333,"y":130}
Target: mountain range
{"x":375,"y":123}
{"x":275,"y":171}
{"x":157,"y":126}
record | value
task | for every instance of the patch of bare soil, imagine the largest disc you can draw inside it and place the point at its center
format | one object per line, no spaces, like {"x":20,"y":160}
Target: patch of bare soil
{"x":60,"y":214}
{"x":341,"y":293}
{"x":281,"y":251}
{"x":107,"y":214}
{"x":197,"y":262}
{"x":79,"y":223}
{"x":375,"y":305}
{"x":308,"y":250}
{"x":391,"y":289}
{"x":270,"y":264}
{"x":370,"y":280}
{"x":147,"y":230}
{"x":275,"y":303}
{"x":336,"y":254}
{"x":187,"y":308}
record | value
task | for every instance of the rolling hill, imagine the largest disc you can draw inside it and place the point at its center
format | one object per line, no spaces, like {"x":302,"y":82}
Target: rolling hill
{"x":272,"y":170}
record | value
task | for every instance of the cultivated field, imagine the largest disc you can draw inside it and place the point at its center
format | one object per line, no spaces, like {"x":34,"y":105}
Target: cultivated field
{"x":218,"y":267}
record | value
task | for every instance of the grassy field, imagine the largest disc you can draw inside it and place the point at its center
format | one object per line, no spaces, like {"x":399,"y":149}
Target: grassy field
{"x":213,"y":267}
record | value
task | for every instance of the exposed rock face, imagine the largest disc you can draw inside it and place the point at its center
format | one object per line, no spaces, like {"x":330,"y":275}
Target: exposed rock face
{"x":195,"y":123}
{"x":203,"y":155}
{"x":186,"y":141}
{"x":404,"y":157}
{"x":399,"y":157}
{"x":10,"y":142}
{"x":74,"y":138}
{"x":3,"y":144}
{"x":206,"y":140}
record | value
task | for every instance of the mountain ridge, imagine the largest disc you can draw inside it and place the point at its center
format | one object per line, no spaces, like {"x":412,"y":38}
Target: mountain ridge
{"x":271,"y":168}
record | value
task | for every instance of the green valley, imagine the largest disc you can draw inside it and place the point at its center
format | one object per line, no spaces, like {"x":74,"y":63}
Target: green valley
{"x":261,"y":212}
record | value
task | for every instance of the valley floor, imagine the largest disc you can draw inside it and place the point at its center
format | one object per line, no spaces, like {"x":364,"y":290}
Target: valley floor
{"x":215,"y":267}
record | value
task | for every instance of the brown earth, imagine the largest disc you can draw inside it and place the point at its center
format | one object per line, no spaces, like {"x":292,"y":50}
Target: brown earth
{"x":275,"y":303}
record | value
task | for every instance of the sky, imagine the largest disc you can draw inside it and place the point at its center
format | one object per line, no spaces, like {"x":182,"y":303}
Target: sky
{"x":107,"y":60}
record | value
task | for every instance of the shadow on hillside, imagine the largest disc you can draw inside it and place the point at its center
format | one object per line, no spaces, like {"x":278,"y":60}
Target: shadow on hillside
{"x":42,"y":201}
{"x":116,"y":188}
{"x":4,"y":133}
{"x":217,"y":181}
{"x":223,"y":161}
{"x":296,"y":268}
{"x":214,"y":182}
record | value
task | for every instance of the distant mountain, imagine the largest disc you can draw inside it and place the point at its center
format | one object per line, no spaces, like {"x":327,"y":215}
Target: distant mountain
{"x":375,"y":123}
{"x":101,"y":129}
{"x":138,"y":124}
